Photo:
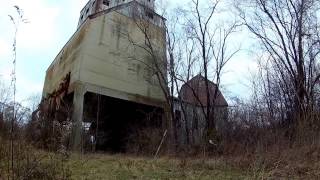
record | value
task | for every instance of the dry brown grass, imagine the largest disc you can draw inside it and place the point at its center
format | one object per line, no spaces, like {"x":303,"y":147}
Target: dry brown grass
{"x":30,"y":163}
{"x":280,"y":163}
{"x":102,"y":166}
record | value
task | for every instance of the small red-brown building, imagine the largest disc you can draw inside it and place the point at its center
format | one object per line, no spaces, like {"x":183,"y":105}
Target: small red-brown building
{"x":190,"y":121}
{"x":194,"y":92}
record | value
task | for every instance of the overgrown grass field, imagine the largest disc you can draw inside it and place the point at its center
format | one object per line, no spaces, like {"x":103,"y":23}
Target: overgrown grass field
{"x":123,"y":167}
{"x":35,"y":164}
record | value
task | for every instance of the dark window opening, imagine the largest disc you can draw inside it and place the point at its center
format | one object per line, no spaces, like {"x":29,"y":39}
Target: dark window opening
{"x":195,"y":122}
{"x":87,"y":11}
{"x":178,"y":114}
{"x":106,"y":2}
{"x":177,"y":117}
{"x":149,"y":14}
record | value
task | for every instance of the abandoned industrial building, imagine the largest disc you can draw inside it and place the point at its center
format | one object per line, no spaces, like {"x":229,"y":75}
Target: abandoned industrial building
{"x":106,"y":79}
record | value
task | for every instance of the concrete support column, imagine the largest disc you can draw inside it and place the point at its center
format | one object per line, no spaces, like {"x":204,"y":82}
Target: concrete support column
{"x":77,"y":118}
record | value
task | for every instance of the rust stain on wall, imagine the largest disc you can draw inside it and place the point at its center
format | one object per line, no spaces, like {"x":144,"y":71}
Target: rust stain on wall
{"x":56,"y":96}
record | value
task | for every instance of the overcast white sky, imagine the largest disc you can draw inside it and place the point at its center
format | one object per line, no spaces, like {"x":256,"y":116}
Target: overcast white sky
{"x":52,"y":22}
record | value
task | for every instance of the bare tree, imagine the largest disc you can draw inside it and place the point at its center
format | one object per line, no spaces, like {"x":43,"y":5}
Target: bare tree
{"x":157,"y":62}
{"x":210,"y":43}
{"x":288,"y":31}
{"x":194,"y":44}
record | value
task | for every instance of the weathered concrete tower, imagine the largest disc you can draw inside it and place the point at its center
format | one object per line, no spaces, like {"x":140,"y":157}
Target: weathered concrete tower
{"x":95,"y":6}
{"x":101,"y":60}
